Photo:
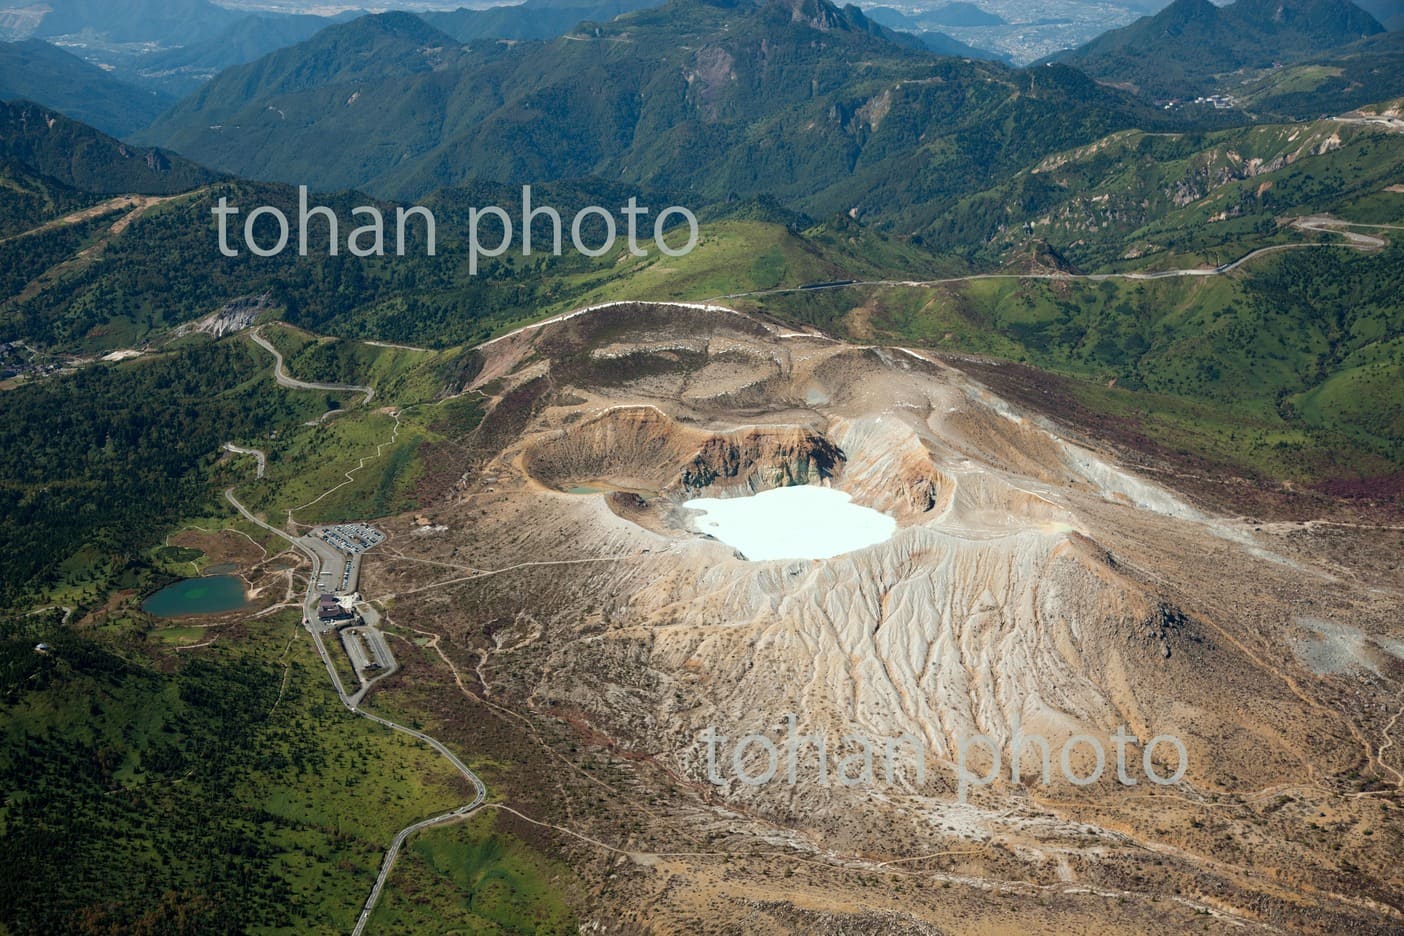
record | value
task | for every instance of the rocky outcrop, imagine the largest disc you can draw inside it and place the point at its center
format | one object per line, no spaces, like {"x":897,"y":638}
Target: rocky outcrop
{"x":758,"y":459}
{"x":634,"y":446}
{"x":234,"y":316}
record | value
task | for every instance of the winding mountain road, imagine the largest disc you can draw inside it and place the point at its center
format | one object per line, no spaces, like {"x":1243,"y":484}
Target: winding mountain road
{"x":280,"y":374}
{"x":256,"y":453}
{"x":309,"y":614}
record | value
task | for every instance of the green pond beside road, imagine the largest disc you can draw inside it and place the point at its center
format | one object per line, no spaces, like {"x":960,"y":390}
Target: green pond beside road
{"x":212,"y":594}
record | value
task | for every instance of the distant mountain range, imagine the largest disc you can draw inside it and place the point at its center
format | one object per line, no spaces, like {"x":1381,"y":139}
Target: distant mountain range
{"x":168,"y":46}
{"x":240,"y":75}
{"x":533,"y":19}
{"x":163,"y":21}
{"x":952,"y":14}
{"x":814,"y":105}
{"x":35,"y":70}
{"x":184,"y":69}
{"x":1179,"y":51}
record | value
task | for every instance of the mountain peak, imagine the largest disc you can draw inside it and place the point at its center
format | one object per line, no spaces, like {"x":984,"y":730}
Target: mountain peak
{"x":1188,"y":11}
{"x":396,"y":24}
{"x":819,"y":14}
{"x":1340,"y":16}
{"x":1175,"y":52}
{"x":827,"y":17}
{"x":816,"y":14}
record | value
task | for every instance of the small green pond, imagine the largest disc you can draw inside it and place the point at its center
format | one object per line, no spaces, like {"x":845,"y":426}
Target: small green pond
{"x":211,"y":594}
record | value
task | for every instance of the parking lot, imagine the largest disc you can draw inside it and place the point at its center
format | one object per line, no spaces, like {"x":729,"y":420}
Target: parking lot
{"x":351,"y":538}
{"x":340,"y":547}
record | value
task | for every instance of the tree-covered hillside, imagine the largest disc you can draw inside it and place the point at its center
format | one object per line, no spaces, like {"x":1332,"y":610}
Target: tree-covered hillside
{"x":791,"y":99}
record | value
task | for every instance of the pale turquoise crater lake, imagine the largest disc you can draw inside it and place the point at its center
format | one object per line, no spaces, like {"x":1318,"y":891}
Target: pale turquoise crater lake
{"x":211,"y":594}
{"x":801,"y":522}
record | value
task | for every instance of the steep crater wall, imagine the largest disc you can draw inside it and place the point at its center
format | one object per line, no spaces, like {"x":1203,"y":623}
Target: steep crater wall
{"x":641,"y":448}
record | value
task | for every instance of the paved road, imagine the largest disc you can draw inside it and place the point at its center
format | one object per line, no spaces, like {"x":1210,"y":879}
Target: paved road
{"x":1326,"y":224}
{"x":280,"y":373}
{"x":256,"y":453}
{"x":309,"y":612}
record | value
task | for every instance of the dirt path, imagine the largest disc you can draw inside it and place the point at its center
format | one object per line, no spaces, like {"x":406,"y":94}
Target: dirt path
{"x":1320,"y":224}
{"x":350,"y":475}
{"x":1388,"y":743}
{"x":133,"y":206}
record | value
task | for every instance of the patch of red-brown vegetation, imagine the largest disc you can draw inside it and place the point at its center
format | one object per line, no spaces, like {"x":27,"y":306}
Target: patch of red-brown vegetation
{"x":1380,"y":488}
{"x":220,"y":546}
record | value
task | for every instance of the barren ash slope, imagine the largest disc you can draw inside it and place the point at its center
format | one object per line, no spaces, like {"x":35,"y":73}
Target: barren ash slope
{"x":1033,"y":587}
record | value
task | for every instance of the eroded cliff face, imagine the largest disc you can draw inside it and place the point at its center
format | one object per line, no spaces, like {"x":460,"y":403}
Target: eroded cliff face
{"x":757,"y":460}
{"x":1032,"y":587}
{"x":637,"y":445}
{"x":646,"y":448}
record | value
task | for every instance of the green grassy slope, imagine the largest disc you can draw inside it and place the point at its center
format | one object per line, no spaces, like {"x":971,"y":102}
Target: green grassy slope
{"x":1161,"y":200}
{"x":1288,"y":371}
{"x":222,"y":791}
{"x":474,"y":878}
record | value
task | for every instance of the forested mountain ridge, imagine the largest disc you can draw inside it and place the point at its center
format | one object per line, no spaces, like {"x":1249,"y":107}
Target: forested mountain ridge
{"x":385,"y":48}
{"x":815,"y":106}
{"x":71,"y":153}
{"x":1134,"y":196}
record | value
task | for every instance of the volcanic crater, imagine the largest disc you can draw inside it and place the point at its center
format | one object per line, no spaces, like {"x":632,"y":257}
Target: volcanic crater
{"x":1032,"y":585}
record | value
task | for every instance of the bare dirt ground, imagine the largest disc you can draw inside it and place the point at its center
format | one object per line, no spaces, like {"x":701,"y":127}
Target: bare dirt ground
{"x":131,"y":207}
